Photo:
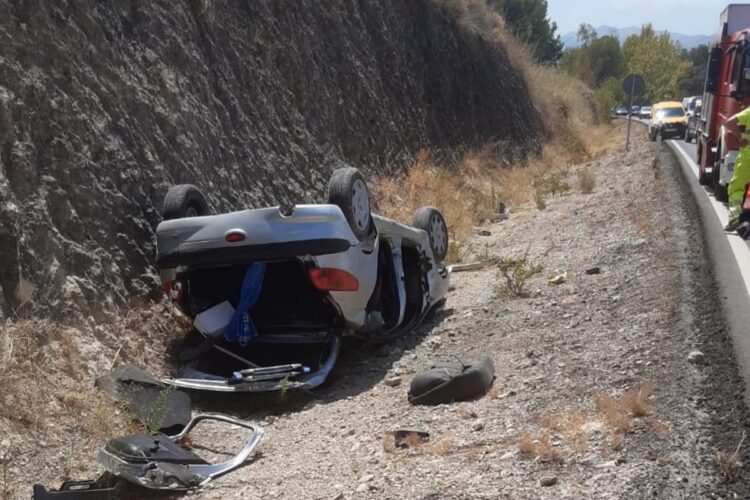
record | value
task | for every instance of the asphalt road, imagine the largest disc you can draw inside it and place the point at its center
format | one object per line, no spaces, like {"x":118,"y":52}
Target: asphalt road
{"x":729,"y":254}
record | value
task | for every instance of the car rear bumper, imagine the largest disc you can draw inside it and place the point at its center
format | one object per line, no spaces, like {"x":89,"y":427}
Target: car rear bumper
{"x":262,"y":235}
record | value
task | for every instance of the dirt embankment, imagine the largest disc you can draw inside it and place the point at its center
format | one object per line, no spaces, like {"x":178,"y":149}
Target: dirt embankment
{"x":103,"y":105}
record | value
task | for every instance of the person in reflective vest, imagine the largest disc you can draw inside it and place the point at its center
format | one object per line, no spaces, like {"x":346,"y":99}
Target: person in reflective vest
{"x":739,"y":125}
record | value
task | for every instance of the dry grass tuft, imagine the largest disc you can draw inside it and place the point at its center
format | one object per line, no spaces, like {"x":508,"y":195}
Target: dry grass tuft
{"x":729,"y":465}
{"x":526,"y":444}
{"x":546,"y":452}
{"x":540,"y":447}
{"x":586,"y":180}
{"x":569,"y":425}
{"x":636,"y":400}
{"x":613,"y":413}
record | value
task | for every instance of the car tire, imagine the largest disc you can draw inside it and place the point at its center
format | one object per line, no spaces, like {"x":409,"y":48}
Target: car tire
{"x":432,"y":221}
{"x":703,"y":178}
{"x":347,"y":190}
{"x":184,"y":200}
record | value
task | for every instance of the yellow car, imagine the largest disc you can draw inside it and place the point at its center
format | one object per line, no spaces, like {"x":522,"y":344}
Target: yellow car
{"x":668,"y":120}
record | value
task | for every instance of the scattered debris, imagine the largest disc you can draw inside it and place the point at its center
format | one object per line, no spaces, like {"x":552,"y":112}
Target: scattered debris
{"x":696,"y":357}
{"x":157,"y":406}
{"x":393,"y":381}
{"x":408,"y":436}
{"x":159,"y":462}
{"x":104,"y":488}
{"x":449,"y":382}
{"x":558,"y":279}
{"x":593,"y":270}
{"x":548,"y":480}
{"x":473,"y":266}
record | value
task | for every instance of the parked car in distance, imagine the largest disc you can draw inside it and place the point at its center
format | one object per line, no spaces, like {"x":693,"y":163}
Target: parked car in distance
{"x":668,"y":120}
{"x":645,"y":112}
{"x":635,"y":111}
{"x":694,"y":122}
{"x":271,"y":291}
{"x":621,"y":111}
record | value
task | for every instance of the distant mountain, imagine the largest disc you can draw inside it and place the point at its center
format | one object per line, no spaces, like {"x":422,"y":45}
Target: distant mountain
{"x":686,"y":41}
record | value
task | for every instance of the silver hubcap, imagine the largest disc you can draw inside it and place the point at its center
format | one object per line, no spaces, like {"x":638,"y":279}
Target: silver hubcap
{"x":360,"y":204}
{"x":438,"y":235}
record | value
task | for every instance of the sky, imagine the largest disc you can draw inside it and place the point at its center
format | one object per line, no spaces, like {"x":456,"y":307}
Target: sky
{"x":690,"y":17}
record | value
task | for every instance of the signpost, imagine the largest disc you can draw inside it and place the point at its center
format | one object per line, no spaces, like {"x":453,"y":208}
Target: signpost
{"x":633,"y":85}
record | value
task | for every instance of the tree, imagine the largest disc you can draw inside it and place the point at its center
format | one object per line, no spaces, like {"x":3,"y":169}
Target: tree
{"x":528,"y":21}
{"x":608,"y":96}
{"x":691,"y":82}
{"x":657,"y":58}
{"x":596,"y":59}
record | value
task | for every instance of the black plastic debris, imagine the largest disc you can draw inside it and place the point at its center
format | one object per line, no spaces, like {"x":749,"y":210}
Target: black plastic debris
{"x":449,"y":382}
{"x":158,"y":406}
{"x":405,"y":437}
{"x":104,"y":488}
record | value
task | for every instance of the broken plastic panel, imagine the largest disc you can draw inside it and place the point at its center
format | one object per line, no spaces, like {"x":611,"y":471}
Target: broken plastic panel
{"x":159,"y":462}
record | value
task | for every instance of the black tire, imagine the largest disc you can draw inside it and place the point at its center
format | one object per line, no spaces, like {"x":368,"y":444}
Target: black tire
{"x":347,"y":189}
{"x":431,"y":220}
{"x":703,"y":178}
{"x":184,"y":200}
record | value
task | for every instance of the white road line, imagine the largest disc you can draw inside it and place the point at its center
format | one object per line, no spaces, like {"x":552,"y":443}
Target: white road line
{"x":739,"y":248}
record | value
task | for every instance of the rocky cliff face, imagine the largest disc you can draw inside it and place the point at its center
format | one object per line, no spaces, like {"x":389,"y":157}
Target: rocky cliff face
{"x":104,"y":104}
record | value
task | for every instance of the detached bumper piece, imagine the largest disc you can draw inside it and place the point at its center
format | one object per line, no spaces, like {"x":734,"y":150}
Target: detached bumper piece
{"x":158,"y":462}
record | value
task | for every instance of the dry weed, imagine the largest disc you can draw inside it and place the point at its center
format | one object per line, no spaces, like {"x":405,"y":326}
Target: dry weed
{"x":586,"y":180}
{"x":729,"y":465}
{"x":636,"y":400}
{"x":526,"y":444}
{"x":615,"y":441}
{"x":546,"y":452}
{"x":613,"y":413}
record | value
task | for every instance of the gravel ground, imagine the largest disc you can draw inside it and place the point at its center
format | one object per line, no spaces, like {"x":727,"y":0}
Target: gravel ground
{"x":571,"y":414}
{"x":558,"y":353}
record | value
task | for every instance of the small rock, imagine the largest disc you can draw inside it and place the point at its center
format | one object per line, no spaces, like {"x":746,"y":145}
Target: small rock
{"x":696,"y":357}
{"x":363,"y":488}
{"x":340,"y":496}
{"x":478,"y":426}
{"x":392,"y":381}
{"x":367,"y":478}
{"x":593,"y":270}
{"x":548,"y":480}
{"x":484,"y":232}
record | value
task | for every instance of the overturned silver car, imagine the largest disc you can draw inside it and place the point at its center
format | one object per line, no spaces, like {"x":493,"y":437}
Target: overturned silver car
{"x":272,"y":291}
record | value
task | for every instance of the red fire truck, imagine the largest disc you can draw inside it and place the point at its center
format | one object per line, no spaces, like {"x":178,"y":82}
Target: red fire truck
{"x":727,"y":91}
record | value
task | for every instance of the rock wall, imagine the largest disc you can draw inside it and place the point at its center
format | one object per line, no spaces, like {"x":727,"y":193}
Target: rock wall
{"x":106,"y":103}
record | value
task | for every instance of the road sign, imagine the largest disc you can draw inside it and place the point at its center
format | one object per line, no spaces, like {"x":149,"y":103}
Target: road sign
{"x":633,"y":85}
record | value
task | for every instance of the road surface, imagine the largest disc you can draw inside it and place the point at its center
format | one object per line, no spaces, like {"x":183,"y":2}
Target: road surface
{"x":730,"y":256}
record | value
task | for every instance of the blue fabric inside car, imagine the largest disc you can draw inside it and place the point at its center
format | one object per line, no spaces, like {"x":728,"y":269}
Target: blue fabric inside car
{"x":241,"y":327}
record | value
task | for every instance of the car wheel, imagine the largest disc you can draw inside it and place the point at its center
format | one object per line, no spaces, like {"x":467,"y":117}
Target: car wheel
{"x":431,"y":220}
{"x":184,"y":200}
{"x":703,"y":178}
{"x":347,"y":189}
